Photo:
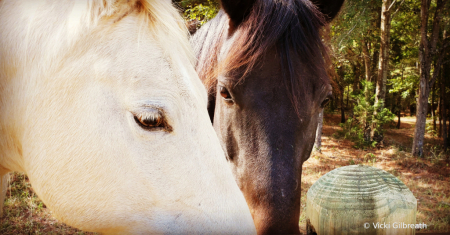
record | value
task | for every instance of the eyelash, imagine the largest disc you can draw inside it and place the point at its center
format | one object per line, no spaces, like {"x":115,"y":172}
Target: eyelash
{"x":152,"y":121}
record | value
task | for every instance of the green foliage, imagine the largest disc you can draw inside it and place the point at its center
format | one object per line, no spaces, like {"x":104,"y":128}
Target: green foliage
{"x":203,"y":11}
{"x":355,"y":21}
{"x":370,"y":158}
{"x":352,"y":131}
{"x":356,"y":31}
{"x":356,"y":127}
{"x":429,"y":129}
{"x":403,"y":77}
{"x":404,"y":80}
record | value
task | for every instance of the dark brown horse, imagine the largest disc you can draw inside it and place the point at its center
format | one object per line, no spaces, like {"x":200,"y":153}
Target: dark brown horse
{"x":263,"y":62}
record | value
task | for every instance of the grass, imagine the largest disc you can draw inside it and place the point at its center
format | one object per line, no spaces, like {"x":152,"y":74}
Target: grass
{"x":25,"y":213}
{"x":428,"y":178}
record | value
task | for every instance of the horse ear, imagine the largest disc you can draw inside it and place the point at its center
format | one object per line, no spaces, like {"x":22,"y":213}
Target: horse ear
{"x":330,"y":8}
{"x":237,"y":10}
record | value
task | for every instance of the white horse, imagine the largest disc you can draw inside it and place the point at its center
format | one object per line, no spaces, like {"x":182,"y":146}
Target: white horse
{"x":100,"y":106}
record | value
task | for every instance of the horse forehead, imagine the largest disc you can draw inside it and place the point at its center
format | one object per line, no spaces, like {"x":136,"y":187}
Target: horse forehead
{"x":157,"y":70}
{"x":146,"y":69}
{"x":129,"y":54}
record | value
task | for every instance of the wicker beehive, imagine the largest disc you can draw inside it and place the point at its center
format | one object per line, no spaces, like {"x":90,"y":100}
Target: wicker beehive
{"x":353,"y":199}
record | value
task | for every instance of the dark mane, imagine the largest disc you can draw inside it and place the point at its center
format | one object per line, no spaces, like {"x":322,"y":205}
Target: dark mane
{"x":292,"y":26}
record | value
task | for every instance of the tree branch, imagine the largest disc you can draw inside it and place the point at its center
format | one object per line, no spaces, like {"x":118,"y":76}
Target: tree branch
{"x":339,"y":45}
{"x":392,"y":4}
{"x":393,"y":14}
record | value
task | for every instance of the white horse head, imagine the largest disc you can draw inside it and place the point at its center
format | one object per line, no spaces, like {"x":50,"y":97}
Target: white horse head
{"x":100,"y":106}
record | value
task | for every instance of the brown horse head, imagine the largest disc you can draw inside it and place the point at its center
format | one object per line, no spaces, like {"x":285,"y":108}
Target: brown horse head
{"x":264,"y":63}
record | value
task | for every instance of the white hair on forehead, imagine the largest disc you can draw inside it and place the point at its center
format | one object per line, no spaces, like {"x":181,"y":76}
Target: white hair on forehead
{"x":164,"y":19}
{"x":50,"y":31}
{"x":76,"y":18}
{"x":168,"y":27}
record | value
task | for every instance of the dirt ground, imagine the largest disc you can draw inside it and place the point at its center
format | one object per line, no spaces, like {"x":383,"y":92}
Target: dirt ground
{"x":428,"y":178}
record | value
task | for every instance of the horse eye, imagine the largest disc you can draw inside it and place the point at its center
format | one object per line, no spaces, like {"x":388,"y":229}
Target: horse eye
{"x":224,"y":93}
{"x":326,"y":101}
{"x":152,"y":121}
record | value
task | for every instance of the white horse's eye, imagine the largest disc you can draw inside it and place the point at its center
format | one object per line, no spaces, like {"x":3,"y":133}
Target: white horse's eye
{"x":152,"y":121}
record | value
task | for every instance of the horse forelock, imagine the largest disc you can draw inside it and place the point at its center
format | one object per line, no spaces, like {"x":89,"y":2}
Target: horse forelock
{"x":168,"y":26}
{"x":292,"y":26}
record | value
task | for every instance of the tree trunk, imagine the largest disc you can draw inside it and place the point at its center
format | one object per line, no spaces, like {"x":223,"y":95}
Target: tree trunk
{"x":348,"y":92}
{"x":427,"y":51}
{"x":366,"y":124}
{"x":440,"y":114}
{"x":333,"y":104}
{"x":383,"y":64}
{"x":443,"y":113}
{"x":368,"y":76}
{"x":356,"y":67}
{"x":421,"y":117}
{"x":445,"y":125}
{"x":443,"y":117}
{"x":342,"y":108}
{"x":341,"y":87}
{"x":399,"y":102}
{"x":318,"y":142}
{"x":447,"y":142}
{"x":433,"y":113}
{"x":376,"y":52}
{"x":366,"y":56}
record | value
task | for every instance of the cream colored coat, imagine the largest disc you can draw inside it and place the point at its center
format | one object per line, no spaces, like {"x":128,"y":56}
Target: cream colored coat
{"x":76,"y":79}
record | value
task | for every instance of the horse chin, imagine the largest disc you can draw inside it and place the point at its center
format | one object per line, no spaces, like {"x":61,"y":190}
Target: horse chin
{"x":269,"y":220}
{"x":263,"y":227}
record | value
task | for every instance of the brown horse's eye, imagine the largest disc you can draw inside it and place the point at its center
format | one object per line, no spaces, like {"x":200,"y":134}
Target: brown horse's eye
{"x":152,"y":121}
{"x":326,"y":101}
{"x":224,"y":93}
